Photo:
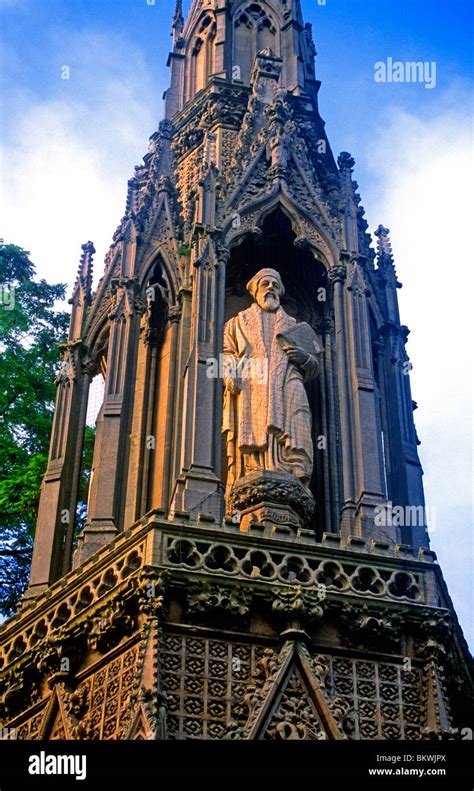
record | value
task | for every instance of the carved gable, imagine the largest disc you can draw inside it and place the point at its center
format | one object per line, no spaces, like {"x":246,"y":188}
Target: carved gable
{"x":294,"y":715}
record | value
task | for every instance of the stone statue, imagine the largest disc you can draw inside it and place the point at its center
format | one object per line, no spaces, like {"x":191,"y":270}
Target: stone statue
{"x":267,"y":420}
{"x":277,"y":146}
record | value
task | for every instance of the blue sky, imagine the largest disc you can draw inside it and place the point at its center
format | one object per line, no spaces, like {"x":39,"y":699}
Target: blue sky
{"x":69,"y":146}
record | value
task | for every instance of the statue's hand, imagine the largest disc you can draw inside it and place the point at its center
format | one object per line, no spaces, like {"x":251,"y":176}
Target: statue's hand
{"x":232,"y":385}
{"x":297,"y":356}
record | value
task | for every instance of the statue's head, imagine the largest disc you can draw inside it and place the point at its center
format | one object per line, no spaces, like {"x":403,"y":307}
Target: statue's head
{"x":266,"y":288}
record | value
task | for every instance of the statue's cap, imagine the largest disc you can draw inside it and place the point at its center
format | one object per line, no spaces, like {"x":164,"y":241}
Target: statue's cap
{"x":252,"y":285}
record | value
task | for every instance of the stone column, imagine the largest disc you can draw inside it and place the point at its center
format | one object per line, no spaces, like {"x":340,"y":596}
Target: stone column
{"x":291,"y":51}
{"x":58,"y":500}
{"x":406,"y":470}
{"x":369,"y":489}
{"x":173,"y":96}
{"x":140,"y":424}
{"x":379,"y":347}
{"x":88,"y":370}
{"x":57,"y":507}
{"x":108,"y":481}
{"x":337,"y":275}
{"x":325,"y":327}
{"x":174,"y":317}
{"x":185,"y":297}
{"x":198,"y":487}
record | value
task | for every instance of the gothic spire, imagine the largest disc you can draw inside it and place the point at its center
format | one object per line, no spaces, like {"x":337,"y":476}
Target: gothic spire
{"x":386,"y":272}
{"x":384,"y":254}
{"x":384,"y":247}
{"x":348,"y":202}
{"x":178,"y":20}
{"x":82,"y":291}
{"x":84,"y":272}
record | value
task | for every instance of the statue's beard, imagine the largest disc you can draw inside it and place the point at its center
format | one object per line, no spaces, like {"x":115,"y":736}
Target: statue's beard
{"x":269,"y":301}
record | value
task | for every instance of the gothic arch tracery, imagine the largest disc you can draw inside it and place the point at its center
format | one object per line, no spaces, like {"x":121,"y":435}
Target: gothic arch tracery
{"x":263,"y":35}
{"x":202,"y":55}
{"x":306,"y":231}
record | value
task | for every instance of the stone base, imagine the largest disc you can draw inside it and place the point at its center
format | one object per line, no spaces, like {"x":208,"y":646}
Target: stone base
{"x":93,"y":538}
{"x":365,"y":525}
{"x":271,"y":498}
{"x":32,"y":592}
{"x":198,"y":491}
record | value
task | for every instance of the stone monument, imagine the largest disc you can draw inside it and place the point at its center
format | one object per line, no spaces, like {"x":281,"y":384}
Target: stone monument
{"x":237,"y":574}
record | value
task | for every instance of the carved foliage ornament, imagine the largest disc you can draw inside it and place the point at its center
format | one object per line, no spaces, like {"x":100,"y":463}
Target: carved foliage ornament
{"x":110,"y":626}
{"x":364,"y":625}
{"x":209,"y":599}
{"x":287,"y":492}
{"x":296,"y":607}
{"x":150,"y":590}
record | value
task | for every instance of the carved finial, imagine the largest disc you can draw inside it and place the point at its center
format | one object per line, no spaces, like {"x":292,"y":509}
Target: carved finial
{"x":384,"y":248}
{"x":86,"y":266}
{"x":385,"y":260}
{"x":81,"y":293}
{"x":345,"y":162}
{"x":308,"y":32}
{"x":133,"y":187}
{"x":178,"y":20}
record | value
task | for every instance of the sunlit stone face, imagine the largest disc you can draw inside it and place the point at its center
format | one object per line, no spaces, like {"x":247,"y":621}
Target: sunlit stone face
{"x":267,"y":295}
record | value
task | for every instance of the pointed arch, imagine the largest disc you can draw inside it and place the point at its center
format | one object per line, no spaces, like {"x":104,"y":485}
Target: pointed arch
{"x":159,"y":256}
{"x":307,"y":232}
{"x":255,"y":27}
{"x":200,"y":60}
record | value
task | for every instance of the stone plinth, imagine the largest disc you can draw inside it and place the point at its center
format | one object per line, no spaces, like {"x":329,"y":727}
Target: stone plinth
{"x":272,"y":499}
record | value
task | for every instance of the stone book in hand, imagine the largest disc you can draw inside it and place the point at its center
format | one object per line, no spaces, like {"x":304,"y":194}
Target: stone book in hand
{"x":301,"y":336}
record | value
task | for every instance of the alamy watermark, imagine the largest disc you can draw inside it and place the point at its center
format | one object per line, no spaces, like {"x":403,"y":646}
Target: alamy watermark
{"x":44,"y":764}
{"x":421,"y":72}
{"x":254,"y":368}
{"x":389,"y":515}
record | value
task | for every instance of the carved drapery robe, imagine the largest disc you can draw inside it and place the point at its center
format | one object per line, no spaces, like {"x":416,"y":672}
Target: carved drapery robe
{"x":268,"y":424}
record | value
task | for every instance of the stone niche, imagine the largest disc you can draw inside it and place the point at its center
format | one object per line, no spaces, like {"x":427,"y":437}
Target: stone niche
{"x":269,"y":497}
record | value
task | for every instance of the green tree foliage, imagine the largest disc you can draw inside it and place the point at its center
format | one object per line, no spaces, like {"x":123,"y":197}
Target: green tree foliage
{"x":30,"y":331}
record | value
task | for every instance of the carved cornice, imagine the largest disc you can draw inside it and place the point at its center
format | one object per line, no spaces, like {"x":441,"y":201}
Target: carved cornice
{"x":109,"y":597}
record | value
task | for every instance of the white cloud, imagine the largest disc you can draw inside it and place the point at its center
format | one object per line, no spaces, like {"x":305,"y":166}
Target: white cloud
{"x":66,"y":163}
{"x":422,"y":191}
